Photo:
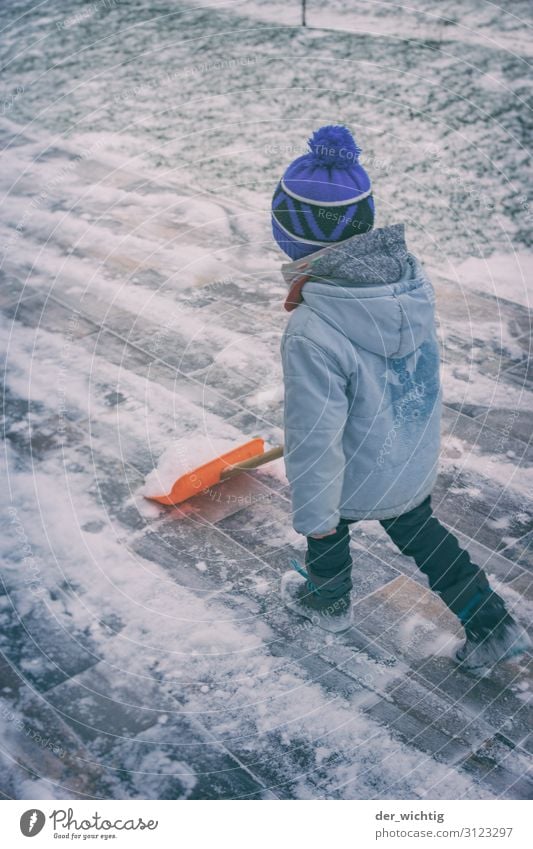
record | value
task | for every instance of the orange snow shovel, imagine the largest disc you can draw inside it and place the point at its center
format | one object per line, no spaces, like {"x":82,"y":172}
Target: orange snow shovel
{"x":248,"y":456}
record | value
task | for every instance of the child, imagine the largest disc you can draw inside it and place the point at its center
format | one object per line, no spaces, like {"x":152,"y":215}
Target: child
{"x":363,"y":400}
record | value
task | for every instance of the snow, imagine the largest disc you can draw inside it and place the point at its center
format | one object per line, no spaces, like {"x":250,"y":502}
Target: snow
{"x":520,"y":607}
{"x":506,"y":275}
{"x":456,"y":452}
{"x":469,"y":385}
{"x":267,"y":397}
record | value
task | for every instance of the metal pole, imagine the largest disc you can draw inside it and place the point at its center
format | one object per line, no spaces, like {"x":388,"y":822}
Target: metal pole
{"x":303,"y":13}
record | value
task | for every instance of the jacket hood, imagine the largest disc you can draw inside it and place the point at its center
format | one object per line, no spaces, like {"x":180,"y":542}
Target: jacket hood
{"x":371,"y":289}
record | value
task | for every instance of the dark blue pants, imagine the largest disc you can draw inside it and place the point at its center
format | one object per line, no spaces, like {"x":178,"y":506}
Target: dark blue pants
{"x":437,"y":553}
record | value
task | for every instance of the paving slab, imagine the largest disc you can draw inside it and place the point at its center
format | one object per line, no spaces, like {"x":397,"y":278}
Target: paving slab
{"x":521,"y":374}
{"x":11,"y":681}
{"x":106,"y":314}
{"x":521,"y":551}
{"x":497,"y":699}
{"x":479,"y":433}
{"x":497,"y":765}
{"x":36,"y":437}
{"x":47,"y":750}
{"x":418,"y":733}
{"x":13,"y":290}
{"x":38,"y":640}
{"x":480,"y":507}
{"x":516,"y":422}
{"x":97,"y":706}
{"x":41,"y":312}
{"x":117,"y":350}
{"x":175,"y":760}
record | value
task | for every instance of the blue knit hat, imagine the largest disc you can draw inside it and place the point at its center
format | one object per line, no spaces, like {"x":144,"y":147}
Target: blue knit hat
{"x":324,"y":196}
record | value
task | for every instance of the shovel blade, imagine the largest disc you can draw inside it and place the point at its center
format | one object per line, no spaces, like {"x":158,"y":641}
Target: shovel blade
{"x":208,"y":475}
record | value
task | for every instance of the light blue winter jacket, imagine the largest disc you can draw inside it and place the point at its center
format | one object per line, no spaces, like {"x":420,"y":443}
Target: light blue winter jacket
{"x":362,"y":391}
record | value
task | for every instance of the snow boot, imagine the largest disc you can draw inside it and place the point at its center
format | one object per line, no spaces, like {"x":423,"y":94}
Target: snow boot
{"x":301,"y":596}
{"x":481,"y":651}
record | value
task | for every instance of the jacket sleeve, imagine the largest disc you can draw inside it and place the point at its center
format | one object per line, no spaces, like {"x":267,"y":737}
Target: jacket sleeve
{"x":316,"y":404}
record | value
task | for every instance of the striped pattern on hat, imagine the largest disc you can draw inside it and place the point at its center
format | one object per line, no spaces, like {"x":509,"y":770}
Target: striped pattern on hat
{"x":320,"y":224}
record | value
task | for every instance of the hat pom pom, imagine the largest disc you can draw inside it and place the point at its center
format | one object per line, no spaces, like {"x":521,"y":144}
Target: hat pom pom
{"x":334,"y":146}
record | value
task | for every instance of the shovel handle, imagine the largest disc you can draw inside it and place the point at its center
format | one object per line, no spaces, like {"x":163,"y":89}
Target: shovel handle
{"x":253,"y":462}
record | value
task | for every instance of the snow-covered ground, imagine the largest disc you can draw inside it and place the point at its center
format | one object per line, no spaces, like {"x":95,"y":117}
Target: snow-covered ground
{"x":146,"y":653}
